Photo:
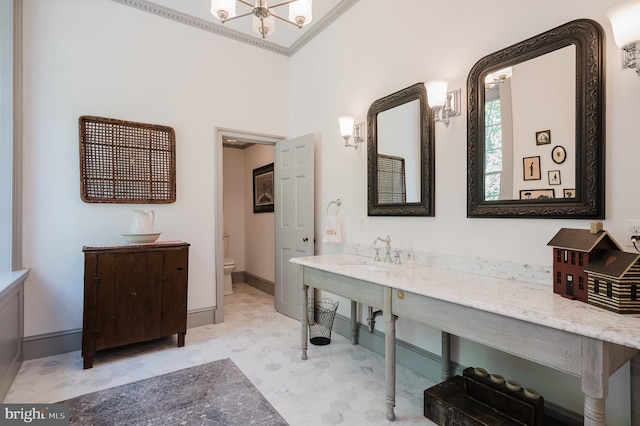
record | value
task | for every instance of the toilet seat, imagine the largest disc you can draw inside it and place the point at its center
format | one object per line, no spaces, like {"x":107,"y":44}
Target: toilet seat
{"x":229,"y":262}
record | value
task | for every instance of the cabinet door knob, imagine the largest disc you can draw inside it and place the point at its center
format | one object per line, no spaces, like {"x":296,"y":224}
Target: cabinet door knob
{"x":305,"y":239}
{"x":134,"y":294}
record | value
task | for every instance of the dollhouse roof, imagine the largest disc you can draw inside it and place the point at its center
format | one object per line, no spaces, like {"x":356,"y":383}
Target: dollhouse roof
{"x":582,"y":240}
{"x":613,"y":263}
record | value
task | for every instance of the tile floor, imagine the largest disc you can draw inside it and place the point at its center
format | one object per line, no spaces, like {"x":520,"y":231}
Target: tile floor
{"x":340,"y":384}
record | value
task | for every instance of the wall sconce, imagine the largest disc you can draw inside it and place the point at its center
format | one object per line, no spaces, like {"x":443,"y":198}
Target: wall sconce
{"x":443,"y":104}
{"x":625,"y":21}
{"x":348,"y":129}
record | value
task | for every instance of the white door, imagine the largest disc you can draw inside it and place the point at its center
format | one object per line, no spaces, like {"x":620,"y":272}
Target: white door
{"x":293,"y":177}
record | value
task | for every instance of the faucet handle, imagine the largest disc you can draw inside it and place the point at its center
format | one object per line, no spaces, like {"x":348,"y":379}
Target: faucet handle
{"x":396,"y":257}
{"x":377,"y":258}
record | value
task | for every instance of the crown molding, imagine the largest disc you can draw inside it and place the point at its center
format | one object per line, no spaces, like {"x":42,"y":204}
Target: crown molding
{"x":316,"y":29}
{"x":220,"y":30}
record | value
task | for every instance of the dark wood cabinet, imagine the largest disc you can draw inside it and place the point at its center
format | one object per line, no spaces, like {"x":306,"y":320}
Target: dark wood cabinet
{"x":133,"y":293}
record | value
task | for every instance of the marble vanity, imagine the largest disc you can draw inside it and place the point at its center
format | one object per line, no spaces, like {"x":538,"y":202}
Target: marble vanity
{"x":521,"y":318}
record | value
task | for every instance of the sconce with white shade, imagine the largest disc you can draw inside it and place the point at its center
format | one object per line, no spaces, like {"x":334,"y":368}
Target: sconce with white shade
{"x":443,"y":104}
{"x":348,"y":130}
{"x":625,"y":21}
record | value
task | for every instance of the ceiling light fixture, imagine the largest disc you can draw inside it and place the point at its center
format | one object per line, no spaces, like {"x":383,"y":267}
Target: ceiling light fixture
{"x":263,"y":15}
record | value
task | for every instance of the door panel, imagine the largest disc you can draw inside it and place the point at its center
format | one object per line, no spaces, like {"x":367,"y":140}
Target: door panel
{"x":294,"y":202}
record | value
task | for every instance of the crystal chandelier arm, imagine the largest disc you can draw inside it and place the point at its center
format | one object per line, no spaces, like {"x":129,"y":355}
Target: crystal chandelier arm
{"x":285,"y":19}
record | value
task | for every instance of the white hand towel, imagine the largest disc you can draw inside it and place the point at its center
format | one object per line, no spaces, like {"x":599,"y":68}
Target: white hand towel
{"x":332,"y":230}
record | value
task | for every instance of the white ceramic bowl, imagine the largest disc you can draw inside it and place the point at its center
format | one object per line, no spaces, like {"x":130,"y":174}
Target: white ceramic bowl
{"x":148,"y":237}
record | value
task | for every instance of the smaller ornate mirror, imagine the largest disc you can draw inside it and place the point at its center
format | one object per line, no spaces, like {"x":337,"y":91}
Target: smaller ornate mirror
{"x":401,"y":155}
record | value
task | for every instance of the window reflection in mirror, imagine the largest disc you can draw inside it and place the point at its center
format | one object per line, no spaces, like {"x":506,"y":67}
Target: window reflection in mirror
{"x":399,"y":154}
{"x":529,"y":109}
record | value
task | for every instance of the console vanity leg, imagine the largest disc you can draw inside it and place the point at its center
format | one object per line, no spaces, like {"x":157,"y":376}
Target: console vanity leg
{"x":446,"y":356}
{"x":635,"y":390}
{"x":595,"y":381}
{"x":354,"y":322}
{"x":304,"y":322}
{"x":390,"y":355}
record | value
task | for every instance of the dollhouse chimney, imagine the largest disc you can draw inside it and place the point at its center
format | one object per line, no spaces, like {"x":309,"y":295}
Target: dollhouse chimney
{"x":596,"y":227}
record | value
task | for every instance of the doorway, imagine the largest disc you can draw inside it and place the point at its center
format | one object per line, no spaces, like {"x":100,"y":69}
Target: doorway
{"x":238,"y":138}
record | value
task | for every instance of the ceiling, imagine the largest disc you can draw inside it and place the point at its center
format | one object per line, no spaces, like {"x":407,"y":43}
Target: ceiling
{"x":286,"y":39}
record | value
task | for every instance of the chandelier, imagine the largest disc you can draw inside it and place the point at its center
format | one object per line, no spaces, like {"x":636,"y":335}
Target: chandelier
{"x":263,"y":15}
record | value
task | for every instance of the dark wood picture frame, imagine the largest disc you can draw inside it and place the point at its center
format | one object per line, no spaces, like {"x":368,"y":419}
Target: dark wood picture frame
{"x":554,"y":177}
{"x":536,"y":194}
{"x":543,"y":137}
{"x":531,"y":168}
{"x":558,"y":154}
{"x":263,"y":195}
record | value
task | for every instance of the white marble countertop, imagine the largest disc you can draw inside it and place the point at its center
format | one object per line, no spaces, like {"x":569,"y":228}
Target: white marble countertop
{"x":531,"y":302}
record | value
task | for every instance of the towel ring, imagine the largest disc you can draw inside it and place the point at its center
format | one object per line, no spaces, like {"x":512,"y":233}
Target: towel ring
{"x":337,"y":202}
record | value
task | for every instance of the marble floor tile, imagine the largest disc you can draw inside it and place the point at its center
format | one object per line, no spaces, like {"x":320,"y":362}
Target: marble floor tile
{"x":339,"y":384}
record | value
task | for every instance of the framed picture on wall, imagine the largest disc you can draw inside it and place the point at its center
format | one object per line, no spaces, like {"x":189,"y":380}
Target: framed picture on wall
{"x":531,"y":168}
{"x":554,"y":177}
{"x":558,"y":154}
{"x":263,"y":189}
{"x":536,"y":194}
{"x":569,"y":193}
{"x":543,"y":137}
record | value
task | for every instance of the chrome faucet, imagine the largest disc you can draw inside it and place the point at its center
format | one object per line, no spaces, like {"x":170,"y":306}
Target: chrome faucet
{"x":387,"y":257}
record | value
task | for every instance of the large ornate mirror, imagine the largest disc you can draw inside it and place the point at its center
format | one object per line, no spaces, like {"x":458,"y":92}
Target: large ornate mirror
{"x":400,"y":154}
{"x":536,"y":129}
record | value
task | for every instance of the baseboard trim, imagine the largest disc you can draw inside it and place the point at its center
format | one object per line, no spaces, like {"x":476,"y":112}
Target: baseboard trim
{"x":48,"y":344}
{"x":259,"y":283}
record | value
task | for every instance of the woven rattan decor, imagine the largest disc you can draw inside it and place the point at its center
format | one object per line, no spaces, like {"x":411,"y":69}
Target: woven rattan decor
{"x":126,"y":162}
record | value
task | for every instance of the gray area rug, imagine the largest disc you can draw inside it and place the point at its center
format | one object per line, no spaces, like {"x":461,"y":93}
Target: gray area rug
{"x":217,"y":393}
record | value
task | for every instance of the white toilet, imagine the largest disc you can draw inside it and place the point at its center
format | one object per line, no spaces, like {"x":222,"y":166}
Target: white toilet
{"x":229,"y":267}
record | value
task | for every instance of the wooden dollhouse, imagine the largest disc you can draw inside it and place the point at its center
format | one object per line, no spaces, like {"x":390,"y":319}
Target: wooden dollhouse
{"x":573,"y":251}
{"x":614,"y":281}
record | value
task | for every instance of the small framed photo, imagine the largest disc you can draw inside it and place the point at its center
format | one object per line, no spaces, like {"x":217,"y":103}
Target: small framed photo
{"x":558,"y":154}
{"x":569,"y":193}
{"x":531,"y":168}
{"x":554,"y":177}
{"x":543,"y":137}
{"x":263,"y":189}
{"x":536,"y":194}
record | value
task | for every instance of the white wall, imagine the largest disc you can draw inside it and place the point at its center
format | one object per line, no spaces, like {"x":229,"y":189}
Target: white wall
{"x":233,"y":179}
{"x":99,"y":57}
{"x":260,"y":239}
{"x":547,"y":105}
{"x":378,"y":56}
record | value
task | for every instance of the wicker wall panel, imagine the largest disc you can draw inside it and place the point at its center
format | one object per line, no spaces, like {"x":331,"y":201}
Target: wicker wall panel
{"x":126,"y":162}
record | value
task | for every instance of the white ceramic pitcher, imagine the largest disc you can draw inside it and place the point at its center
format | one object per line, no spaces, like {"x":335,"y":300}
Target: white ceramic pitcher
{"x":142,"y":222}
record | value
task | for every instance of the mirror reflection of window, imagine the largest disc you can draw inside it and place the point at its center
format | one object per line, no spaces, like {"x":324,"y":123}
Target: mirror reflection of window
{"x":498,"y":141}
{"x":399,"y":136}
{"x":392,"y":187}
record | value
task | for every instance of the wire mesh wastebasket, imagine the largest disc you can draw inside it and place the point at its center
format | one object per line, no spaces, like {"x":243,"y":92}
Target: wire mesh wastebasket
{"x":321,"y":314}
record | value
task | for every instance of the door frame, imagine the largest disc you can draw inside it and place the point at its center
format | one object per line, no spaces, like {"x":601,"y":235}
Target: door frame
{"x":218,"y":201}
